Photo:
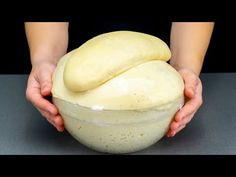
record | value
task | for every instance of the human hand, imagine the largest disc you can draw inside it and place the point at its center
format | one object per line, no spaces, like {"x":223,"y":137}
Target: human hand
{"x":38,"y":88}
{"x":193,"y":100}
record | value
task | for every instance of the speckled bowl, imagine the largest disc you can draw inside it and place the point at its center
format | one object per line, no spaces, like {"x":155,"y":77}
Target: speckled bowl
{"x":117,"y":131}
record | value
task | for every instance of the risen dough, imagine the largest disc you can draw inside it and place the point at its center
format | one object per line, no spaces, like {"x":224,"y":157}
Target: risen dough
{"x":151,"y":83}
{"x":107,"y":55}
{"x":125,"y":75}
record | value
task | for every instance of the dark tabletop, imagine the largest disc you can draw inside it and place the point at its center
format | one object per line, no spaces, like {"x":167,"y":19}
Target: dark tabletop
{"x":212,"y":131}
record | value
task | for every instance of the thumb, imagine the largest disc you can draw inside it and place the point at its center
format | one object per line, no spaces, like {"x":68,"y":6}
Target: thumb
{"x":45,"y":82}
{"x":190,"y":83}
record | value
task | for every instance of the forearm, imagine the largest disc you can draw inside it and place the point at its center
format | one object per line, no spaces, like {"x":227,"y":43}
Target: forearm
{"x":47,"y":41}
{"x":189,"y":43}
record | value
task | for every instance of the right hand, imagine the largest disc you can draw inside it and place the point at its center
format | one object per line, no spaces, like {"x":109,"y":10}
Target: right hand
{"x":38,"y":88}
{"x":193,"y":101}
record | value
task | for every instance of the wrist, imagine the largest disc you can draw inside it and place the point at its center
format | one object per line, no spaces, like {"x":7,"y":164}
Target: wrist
{"x":186,"y":70}
{"x":46,"y":56}
{"x":190,"y":64}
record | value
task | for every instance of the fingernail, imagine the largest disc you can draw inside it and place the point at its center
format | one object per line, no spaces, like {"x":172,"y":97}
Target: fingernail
{"x":60,"y":129}
{"x":173,"y":133}
{"x":45,"y":88}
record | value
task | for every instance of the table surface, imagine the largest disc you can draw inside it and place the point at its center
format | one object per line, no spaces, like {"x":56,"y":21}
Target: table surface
{"x":212,"y":131}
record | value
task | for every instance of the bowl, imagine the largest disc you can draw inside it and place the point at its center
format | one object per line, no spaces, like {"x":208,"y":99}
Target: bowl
{"x":117,"y":131}
{"x":116,"y":93}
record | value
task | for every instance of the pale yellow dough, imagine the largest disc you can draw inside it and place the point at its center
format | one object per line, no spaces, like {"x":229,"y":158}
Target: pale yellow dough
{"x":117,"y":93}
{"x":114,"y":52}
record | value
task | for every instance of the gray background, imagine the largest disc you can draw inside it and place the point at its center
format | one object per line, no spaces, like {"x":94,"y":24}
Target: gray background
{"x":212,"y":131}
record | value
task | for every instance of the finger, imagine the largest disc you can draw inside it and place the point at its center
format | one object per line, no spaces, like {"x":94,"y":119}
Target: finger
{"x":179,"y":129}
{"x":47,"y":116}
{"x":189,"y":92}
{"x":59,"y":124}
{"x":190,"y":83}
{"x":181,"y":120}
{"x":189,"y":108}
{"x":56,"y":121}
{"x":172,"y":128}
{"x":60,"y":128}
{"x":168,"y":134}
{"x":34,"y":96}
{"x":171,"y":133}
{"x":45,"y":81}
{"x":41,"y":103}
{"x":187,"y":119}
{"x":174,"y":125}
{"x":199,"y":90}
{"x":192,"y":105}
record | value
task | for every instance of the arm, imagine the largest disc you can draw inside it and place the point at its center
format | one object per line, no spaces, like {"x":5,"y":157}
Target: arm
{"x":47,"y":43}
{"x":189,"y":43}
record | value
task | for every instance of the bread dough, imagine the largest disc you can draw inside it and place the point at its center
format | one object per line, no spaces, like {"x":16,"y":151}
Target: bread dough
{"x":116,"y":93}
{"x":151,"y":83}
{"x":107,"y":55}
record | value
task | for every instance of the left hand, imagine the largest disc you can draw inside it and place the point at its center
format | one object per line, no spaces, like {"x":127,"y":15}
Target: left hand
{"x":193,"y":100}
{"x":38,"y":88}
